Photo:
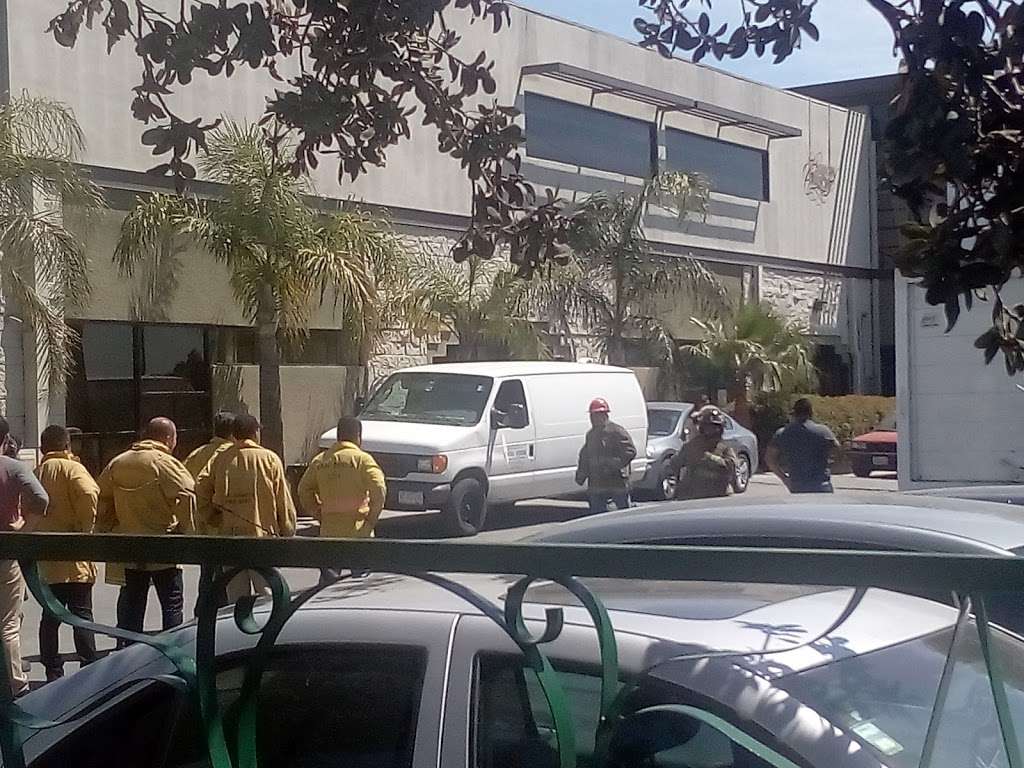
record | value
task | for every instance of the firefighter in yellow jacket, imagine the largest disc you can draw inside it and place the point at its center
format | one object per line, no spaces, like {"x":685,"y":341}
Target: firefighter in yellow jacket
{"x":199,"y":461}
{"x":73,"y":497}
{"x":147,"y":491}
{"x":201,"y":458}
{"x":245,"y":493}
{"x":343,"y":486}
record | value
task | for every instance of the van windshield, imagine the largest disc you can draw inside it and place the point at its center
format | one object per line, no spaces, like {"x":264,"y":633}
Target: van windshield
{"x":430,"y":398}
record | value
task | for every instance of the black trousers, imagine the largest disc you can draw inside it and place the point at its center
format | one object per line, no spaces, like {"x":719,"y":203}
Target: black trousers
{"x":131,"y":602}
{"x":77,"y":598}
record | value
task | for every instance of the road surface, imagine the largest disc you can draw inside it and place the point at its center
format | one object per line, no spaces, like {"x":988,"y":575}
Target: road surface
{"x":527,"y":517}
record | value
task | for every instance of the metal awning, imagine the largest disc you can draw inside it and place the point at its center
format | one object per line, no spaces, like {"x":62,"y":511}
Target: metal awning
{"x":669,"y":102}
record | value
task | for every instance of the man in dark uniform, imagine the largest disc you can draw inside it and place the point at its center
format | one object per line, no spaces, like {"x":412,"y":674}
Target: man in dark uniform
{"x":800,"y":452}
{"x":604,"y":460}
{"x":706,"y":461}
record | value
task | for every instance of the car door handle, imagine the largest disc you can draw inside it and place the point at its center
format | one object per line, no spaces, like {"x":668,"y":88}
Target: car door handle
{"x":530,"y":450}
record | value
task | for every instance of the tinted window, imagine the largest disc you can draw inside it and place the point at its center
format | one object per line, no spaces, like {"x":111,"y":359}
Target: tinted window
{"x":591,"y":138}
{"x":662,"y":423}
{"x":107,"y":349}
{"x":133,"y":733}
{"x":430,"y":398}
{"x":513,"y":725}
{"x":511,"y":394}
{"x":886,"y":699}
{"x":731,"y":168}
{"x":352,"y":706}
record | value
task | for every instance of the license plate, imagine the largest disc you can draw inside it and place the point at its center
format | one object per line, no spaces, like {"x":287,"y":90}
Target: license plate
{"x":880,"y":461}
{"x":410,"y":498}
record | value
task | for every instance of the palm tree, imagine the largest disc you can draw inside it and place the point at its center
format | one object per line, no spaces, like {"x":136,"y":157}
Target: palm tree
{"x":284,"y":257}
{"x":614,"y":279}
{"x":479,"y":301}
{"x":43,"y":266}
{"x":756,"y":348}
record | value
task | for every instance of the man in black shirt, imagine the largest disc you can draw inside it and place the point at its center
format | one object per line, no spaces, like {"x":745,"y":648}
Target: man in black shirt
{"x":800,"y":452}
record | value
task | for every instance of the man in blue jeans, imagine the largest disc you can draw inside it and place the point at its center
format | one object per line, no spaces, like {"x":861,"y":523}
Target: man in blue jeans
{"x":800,"y":452}
{"x":604,"y":461}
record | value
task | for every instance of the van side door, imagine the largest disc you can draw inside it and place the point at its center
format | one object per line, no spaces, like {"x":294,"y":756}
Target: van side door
{"x":511,"y":448}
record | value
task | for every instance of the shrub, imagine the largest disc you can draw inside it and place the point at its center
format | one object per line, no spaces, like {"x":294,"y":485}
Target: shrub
{"x":847,"y":416}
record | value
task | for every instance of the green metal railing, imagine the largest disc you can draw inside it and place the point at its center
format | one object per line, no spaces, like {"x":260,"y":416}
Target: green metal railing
{"x":966,"y":576}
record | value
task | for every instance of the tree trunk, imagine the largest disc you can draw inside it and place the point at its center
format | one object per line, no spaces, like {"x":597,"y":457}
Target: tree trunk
{"x":270,"y":376}
{"x":3,"y":359}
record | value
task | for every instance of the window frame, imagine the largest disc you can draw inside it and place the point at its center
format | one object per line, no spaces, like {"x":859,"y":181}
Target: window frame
{"x":765,"y":193}
{"x":522,"y":390}
{"x":606,"y":166}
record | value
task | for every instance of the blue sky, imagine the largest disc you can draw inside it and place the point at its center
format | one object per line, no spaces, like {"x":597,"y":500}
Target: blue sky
{"x":839,"y":55}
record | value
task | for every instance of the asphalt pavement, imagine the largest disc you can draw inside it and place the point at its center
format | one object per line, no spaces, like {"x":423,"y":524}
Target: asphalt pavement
{"x":525,"y":518}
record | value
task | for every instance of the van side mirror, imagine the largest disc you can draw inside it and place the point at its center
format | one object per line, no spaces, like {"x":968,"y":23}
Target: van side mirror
{"x":513,"y":418}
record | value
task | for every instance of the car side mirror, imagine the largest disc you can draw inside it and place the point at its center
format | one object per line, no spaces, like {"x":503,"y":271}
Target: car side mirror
{"x":513,"y":418}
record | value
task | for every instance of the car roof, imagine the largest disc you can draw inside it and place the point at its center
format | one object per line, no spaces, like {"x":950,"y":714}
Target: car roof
{"x":1001,"y":494}
{"x":515,"y":368}
{"x":902,"y":521}
{"x":706,"y":616}
{"x":662,"y":406}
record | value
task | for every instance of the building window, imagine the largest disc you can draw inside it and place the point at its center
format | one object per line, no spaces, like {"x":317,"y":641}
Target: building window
{"x":732,"y":169}
{"x":127,"y":374}
{"x":591,"y":138}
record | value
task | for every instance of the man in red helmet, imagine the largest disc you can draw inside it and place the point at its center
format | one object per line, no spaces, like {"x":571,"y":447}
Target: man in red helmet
{"x":604,"y":460}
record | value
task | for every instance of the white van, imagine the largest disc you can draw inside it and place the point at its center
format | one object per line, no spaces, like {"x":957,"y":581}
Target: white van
{"x":462,"y":437}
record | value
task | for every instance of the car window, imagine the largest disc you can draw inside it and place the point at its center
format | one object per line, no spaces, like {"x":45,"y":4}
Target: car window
{"x":130,"y":733}
{"x":510,"y":394}
{"x":430,"y":398}
{"x":351,"y":705}
{"x":512,"y":724}
{"x":886,"y":699}
{"x":661,"y":423}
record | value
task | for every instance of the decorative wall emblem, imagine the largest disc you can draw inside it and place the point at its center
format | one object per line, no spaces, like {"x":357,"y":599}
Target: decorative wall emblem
{"x":819,"y":178}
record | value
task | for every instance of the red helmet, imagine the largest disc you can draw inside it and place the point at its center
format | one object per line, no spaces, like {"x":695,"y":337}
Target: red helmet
{"x":599,"y":405}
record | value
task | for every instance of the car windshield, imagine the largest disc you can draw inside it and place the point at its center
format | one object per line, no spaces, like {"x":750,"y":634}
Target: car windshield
{"x":887,"y":699}
{"x":430,"y":398}
{"x":661,"y":423}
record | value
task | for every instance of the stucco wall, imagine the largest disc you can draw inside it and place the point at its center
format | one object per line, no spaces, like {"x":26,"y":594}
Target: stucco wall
{"x":790,"y":225}
{"x":312,"y":399}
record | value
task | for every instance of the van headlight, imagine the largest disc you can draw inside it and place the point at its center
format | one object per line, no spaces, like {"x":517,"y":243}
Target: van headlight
{"x":432,"y":465}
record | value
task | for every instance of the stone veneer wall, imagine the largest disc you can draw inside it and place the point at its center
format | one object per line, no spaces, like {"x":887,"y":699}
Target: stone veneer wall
{"x":813,"y":302}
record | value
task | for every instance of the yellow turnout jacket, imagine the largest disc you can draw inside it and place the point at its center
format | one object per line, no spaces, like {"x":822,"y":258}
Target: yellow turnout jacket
{"x":73,"y":496}
{"x":345,"y":488}
{"x":245,"y":493}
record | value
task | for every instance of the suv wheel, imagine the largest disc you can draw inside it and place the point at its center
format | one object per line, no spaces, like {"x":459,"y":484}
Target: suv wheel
{"x":668,"y":481}
{"x":741,"y":482}
{"x":467,"y":508}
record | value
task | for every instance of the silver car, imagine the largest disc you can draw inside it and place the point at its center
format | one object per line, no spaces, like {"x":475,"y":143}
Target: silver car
{"x":389,"y":672}
{"x":668,"y":427}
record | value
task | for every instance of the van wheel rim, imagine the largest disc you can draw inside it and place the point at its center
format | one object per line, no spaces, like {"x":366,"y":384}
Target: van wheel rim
{"x":471,"y":510}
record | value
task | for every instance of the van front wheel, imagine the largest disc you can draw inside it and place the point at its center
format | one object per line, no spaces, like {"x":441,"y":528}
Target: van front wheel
{"x":467,"y":508}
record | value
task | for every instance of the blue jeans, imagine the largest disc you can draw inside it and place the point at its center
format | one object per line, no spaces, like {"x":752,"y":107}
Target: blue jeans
{"x":598,"y":500}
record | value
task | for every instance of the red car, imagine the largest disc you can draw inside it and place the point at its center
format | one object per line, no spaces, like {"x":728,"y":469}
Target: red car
{"x":875,"y":451}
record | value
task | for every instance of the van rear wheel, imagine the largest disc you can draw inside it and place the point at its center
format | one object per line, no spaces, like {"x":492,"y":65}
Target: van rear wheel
{"x":467,"y":508}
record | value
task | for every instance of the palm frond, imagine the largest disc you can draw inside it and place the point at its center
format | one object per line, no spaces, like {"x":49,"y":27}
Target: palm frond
{"x":55,"y":352}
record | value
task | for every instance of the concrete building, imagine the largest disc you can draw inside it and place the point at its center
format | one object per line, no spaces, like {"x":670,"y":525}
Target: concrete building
{"x":791,"y":220}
